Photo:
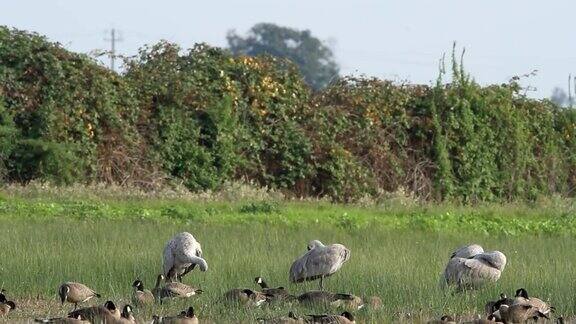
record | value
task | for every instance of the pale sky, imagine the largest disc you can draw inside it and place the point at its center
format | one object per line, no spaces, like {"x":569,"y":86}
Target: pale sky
{"x":399,"y":40}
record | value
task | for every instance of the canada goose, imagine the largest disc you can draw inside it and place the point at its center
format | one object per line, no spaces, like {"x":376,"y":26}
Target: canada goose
{"x":488,"y":320}
{"x":2,"y":296}
{"x":523,"y":298}
{"x":63,"y":320}
{"x":279,"y":293}
{"x":108,"y":313}
{"x":173,"y":290}
{"x":246,"y":297}
{"x":74,"y":292}
{"x":491,"y":319}
{"x":185,"y":317}
{"x":328,"y":298}
{"x":181,"y":254}
{"x":319,"y":262}
{"x":475,"y":271}
{"x":493,"y":306}
{"x":446,"y":319}
{"x":141,"y":296}
{"x":290,"y":319}
{"x":344,"y":318}
{"x":517,"y":313}
{"x":7,"y":307}
{"x":126,"y":315}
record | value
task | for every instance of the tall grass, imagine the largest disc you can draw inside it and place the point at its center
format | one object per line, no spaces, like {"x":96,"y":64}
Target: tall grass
{"x":401,"y":266}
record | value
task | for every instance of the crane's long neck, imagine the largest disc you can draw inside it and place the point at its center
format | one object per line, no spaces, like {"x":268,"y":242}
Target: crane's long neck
{"x":200,"y":262}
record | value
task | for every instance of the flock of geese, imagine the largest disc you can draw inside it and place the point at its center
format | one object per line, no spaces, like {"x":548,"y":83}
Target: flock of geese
{"x":469,"y":267}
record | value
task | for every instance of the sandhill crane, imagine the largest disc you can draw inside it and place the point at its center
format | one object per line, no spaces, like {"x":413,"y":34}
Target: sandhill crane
{"x":475,"y":270}
{"x":467,"y":251}
{"x":181,"y":254}
{"x":320,"y":261}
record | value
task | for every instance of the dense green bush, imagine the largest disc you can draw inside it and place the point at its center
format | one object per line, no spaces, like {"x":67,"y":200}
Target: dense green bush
{"x":205,"y":117}
{"x":211,"y":117}
{"x":66,"y":108}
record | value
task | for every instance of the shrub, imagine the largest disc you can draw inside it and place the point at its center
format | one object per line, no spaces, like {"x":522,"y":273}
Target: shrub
{"x":206,"y":118}
{"x":65,"y":106}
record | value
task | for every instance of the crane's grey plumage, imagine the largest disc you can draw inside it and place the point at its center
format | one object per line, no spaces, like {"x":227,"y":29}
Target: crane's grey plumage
{"x":467,"y":251}
{"x":319,"y":262}
{"x":473,"y":271}
{"x":181,"y":254}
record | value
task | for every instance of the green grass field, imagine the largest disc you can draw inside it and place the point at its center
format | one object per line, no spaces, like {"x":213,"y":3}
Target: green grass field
{"x":397,"y":253}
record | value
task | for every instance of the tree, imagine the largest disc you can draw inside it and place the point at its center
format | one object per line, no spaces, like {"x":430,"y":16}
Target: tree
{"x":559,"y":97}
{"x":314,"y":59}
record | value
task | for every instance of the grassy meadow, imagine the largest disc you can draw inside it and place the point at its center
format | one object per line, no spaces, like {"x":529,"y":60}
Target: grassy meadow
{"x":398,"y":252}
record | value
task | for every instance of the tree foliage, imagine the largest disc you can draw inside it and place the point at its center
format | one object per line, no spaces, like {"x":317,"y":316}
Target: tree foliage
{"x":204,"y":117}
{"x":314,"y":59}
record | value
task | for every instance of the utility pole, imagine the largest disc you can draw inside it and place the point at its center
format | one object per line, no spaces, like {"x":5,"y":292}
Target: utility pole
{"x":113,"y":39}
{"x":569,"y":91}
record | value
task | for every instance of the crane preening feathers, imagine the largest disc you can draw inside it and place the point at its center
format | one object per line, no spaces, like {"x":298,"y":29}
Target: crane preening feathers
{"x":471,"y":267}
{"x":320,"y":261}
{"x":181,"y":255}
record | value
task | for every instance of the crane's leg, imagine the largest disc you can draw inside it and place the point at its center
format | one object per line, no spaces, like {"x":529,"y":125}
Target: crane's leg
{"x":322,"y":283}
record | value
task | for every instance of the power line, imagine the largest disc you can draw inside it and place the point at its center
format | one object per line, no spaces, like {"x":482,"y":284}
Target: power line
{"x":114,"y":37}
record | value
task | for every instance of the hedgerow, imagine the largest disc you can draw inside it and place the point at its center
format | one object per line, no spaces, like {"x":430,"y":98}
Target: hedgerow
{"x":204,"y":117}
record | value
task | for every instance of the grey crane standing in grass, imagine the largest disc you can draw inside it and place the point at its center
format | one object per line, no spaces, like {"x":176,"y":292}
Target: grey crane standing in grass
{"x":319,"y":262}
{"x":181,"y":254}
{"x":470,"y":268}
